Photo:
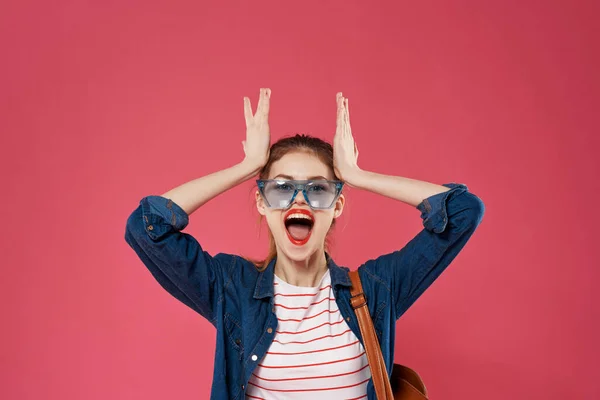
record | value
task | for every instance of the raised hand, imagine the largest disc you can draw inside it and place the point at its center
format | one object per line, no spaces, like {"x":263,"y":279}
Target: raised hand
{"x":258,"y":135}
{"x":345,"y":152}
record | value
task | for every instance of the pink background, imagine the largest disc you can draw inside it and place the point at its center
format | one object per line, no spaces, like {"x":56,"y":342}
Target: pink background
{"x":104,"y":103}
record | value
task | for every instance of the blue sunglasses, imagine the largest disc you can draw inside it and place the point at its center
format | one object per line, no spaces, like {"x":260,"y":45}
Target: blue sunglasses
{"x":280,"y":193}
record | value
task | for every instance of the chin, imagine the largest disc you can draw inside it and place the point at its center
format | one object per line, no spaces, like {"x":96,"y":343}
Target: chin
{"x":298,"y":253}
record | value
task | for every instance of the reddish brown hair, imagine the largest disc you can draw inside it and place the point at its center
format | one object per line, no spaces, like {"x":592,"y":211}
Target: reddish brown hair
{"x":299,"y":142}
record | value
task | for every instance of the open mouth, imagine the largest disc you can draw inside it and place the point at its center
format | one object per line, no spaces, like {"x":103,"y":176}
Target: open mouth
{"x":298,"y":225}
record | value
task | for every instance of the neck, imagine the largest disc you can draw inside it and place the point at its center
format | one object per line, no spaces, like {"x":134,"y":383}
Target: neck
{"x":302,"y":273}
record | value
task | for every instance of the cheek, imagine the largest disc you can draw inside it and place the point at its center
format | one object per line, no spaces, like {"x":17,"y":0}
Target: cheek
{"x":274,"y":221}
{"x":323,"y":223}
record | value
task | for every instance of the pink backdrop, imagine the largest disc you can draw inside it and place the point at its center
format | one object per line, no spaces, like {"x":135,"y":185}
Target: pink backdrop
{"x":102,"y":104}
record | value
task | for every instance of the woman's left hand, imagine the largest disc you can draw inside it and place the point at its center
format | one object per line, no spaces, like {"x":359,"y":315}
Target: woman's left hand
{"x":345,"y":152}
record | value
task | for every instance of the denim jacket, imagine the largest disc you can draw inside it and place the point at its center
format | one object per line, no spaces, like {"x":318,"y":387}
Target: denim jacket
{"x":237,"y":299}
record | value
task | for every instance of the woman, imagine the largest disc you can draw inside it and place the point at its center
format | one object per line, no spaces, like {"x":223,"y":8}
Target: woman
{"x":285,"y":328}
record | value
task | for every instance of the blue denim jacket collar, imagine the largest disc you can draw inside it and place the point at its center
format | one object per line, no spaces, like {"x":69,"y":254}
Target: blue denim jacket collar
{"x":264,"y":283}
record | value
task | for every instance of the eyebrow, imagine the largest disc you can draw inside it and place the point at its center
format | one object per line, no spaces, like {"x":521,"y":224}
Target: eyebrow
{"x":291,"y":178}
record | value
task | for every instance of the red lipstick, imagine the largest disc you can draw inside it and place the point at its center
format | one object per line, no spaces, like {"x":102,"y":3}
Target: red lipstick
{"x":298,"y":211}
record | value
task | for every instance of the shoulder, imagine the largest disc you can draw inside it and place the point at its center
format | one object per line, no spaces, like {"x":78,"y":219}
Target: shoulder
{"x":374,"y":271}
{"x":237,"y":269}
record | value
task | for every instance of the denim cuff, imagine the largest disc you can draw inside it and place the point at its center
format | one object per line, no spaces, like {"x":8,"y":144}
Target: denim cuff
{"x":433,"y":208}
{"x":162,"y":215}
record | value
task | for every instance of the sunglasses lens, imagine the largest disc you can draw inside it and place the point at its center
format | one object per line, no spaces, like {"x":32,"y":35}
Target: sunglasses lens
{"x":321,"y":194}
{"x":278,"y":193}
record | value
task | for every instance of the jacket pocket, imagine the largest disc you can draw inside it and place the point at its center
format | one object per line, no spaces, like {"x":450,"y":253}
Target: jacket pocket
{"x":233,"y":330}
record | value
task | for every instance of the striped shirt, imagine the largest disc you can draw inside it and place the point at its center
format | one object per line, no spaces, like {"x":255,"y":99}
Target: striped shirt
{"x":314,"y":354}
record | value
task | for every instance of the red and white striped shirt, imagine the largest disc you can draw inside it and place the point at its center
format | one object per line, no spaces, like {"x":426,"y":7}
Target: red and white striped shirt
{"x":314,"y":353}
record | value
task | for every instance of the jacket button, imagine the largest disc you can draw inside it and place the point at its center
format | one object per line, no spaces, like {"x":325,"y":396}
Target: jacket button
{"x":243,"y":387}
{"x":254,"y":357}
{"x":150,"y":227}
{"x":238,"y":341}
{"x":270,"y":330}
{"x":348,"y":319}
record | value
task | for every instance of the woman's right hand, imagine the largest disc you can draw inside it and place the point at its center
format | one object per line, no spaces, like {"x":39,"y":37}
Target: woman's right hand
{"x":258,"y":136}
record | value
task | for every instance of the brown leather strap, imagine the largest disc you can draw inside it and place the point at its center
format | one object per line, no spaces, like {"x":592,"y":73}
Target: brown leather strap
{"x":383,"y":388}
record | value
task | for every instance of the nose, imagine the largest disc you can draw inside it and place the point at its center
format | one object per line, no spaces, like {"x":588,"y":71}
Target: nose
{"x":300,"y":199}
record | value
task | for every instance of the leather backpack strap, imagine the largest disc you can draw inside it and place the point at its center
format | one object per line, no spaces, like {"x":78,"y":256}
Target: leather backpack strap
{"x":383,"y":388}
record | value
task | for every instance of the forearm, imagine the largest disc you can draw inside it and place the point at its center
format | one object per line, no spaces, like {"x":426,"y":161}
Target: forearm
{"x":193,"y":194}
{"x":409,"y":191}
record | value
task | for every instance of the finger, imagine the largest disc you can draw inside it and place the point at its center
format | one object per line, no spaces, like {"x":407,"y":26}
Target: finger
{"x":338,"y":100}
{"x":247,"y":110}
{"x":347,"y":116}
{"x":260,"y":102}
{"x":263,"y":104}
{"x":340,"y":117}
{"x":340,"y":103}
{"x":267,"y":102}
{"x":347,"y":110}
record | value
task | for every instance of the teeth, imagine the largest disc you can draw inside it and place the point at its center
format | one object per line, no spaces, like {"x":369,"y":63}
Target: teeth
{"x":298,"y":216}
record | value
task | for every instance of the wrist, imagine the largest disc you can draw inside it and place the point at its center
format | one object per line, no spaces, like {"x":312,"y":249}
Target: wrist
{"x":250,"y":167}
{"x":355,"y":178}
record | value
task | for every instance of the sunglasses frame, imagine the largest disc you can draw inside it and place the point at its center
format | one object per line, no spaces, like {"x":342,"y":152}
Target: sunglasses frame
{"x":299,"y":185}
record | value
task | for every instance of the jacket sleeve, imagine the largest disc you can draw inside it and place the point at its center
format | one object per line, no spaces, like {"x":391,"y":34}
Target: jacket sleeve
{"x":449,"y":220}
{"x":176,"y":259}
